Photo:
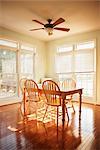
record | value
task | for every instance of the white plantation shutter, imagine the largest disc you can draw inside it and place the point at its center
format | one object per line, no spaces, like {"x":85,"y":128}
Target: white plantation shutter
{"x":65,"y":49}
{"x":63,"y":63}
{"x":78,"y":61}
{"x":8,"y":43}
{"x":27,"y":63}
{"x":27,"y":59}
{"x":84,"y":61}
{"x":85,"y":45}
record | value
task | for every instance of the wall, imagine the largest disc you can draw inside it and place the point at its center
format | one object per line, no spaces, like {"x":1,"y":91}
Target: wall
{"x":52,"y":46}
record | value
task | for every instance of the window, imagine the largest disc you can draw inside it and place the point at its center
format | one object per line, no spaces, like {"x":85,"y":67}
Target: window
{"x":78,"y":62}
{"x":8,"y":76}
{"x":27,"y":64}
{"x":84,"y":61}
{"x":85,"y":80}
{"x":16,"y":61}
{"x":85,"y":45}
{"x":65,"y":49}
{"x":64,"y":63}
{"x":8,"y":43}
{"x":25,"y":47}
{"x":27,"y":59}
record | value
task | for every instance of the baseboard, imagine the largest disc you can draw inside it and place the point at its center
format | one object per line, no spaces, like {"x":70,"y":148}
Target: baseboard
{"x":98,"y":103}
{"x":8,"y":101}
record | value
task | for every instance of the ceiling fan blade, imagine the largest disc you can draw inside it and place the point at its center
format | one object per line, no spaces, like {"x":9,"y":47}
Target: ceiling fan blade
{"x":62,"y":29}
{"x":36,"y":29}
{"x":60,"y":20}
{"x":38,"y":22}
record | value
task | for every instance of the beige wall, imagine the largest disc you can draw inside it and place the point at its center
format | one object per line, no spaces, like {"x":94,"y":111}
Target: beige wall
{"x":51,"y":51}
{"x":40,"y":64}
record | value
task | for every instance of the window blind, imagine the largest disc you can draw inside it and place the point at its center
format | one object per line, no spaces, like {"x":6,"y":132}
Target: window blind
{"x":64,"y":63}
{"x":79,"y":63}
{"x":84,"y":61}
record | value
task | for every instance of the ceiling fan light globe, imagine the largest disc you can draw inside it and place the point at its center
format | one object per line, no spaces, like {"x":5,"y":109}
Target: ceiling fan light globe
{"x":49,"y":31}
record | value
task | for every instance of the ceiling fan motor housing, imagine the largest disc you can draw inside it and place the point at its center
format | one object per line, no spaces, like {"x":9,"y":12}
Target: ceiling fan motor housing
{"x":48,"y":25}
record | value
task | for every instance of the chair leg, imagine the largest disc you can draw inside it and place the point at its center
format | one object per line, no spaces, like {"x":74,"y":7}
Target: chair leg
{"x":73,"y":107}
{"x":67,"y":114}
{"x":22,"y":109}
{"x":57,"y":115}
{"x":45,"y":112}
{"x":36,"y":110}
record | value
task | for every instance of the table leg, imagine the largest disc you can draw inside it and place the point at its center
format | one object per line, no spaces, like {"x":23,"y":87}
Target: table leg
{"x":63,"y":111}
{"x":80,"y":103}
{"x":24,"y":99}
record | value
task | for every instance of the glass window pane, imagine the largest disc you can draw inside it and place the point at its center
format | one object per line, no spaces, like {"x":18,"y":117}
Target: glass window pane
{"x":8,"y":43}
{"x":84,"y":62}
{"x":64,"y":76}
{"x":65,"y":49}
{"x":26,"y":75}
{"x":26,"y":63}
{"x":85,"y":45}
{"x":8,"y":61}
{"x":64,"y":63}
{"x":8,"y":76}
{"x":24,"y":47}
{"x":85,"y":81}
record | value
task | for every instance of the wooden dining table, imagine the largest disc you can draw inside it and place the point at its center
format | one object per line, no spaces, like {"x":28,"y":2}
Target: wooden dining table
{"x":63,"y":94}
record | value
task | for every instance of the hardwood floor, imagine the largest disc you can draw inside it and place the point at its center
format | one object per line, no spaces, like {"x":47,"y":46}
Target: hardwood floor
{"x":35,"y":135}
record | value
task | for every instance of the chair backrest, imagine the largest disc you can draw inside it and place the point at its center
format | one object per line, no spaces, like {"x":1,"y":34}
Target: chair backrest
{"x":22,"y":84}
{"x":32,"y":90}
{"x":50,"y":88}
{"x":68,"y":83}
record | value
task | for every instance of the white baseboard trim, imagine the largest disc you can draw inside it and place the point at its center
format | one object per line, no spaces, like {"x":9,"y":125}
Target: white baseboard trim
{"x":11,"y":100}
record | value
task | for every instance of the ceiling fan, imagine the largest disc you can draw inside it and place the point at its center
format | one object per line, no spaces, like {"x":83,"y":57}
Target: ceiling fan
{"x":49,"y":27}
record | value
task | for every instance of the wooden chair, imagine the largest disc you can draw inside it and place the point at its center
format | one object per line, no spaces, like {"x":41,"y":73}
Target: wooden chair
{"x":68,"y":84}
{"x":22,"y":87}
{"x":22,"y":84}
{"x":51,"y":98}
{"x":33,"y":95}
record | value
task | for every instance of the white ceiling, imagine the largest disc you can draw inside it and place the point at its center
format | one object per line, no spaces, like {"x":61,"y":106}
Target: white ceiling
{"x":80,"y":16}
